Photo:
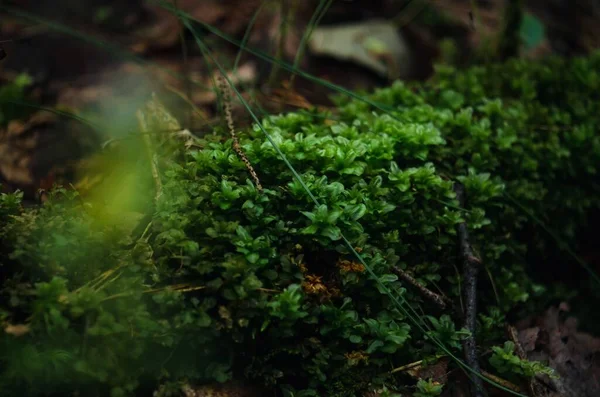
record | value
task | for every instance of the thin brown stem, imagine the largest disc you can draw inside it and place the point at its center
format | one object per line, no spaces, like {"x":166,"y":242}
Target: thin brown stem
{"x":439,"y":300}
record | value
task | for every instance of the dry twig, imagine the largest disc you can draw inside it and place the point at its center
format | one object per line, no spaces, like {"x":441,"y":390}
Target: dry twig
{"x":502,"y":382}
{"x":439,"y":300}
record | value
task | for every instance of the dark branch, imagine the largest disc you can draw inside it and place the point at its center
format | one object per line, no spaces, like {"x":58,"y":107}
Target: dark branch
{"x":471,"y":264}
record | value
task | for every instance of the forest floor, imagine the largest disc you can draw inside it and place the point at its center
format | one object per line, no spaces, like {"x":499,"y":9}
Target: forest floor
{"x":97,"y":56}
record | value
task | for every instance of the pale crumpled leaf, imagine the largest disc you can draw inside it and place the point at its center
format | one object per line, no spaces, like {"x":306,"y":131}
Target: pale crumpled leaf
{"x":16,"y":329}
{"x":375,"y":44}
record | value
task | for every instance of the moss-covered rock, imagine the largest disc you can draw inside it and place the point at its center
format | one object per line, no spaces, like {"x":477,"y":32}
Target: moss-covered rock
{"x":231,"y":281}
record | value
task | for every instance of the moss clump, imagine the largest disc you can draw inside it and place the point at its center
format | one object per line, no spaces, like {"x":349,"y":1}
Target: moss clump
{"x":228,"y":281}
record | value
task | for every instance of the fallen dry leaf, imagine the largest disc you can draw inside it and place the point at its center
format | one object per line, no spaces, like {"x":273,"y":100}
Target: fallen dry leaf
{"x":574,"y":355}
{"x":16,"y":329}
{"x":374,"y":44}
{"x":528,"y":338}
{"x":287,"y":96}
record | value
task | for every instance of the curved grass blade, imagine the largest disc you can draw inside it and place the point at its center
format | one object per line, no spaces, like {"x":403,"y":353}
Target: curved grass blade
{"x":561,"y":244}
{"x":315,"y":19}
{"x":413,"y":9}
{"x":239,"y":54}
{"x":266,"y":57}
{"x":247,"y":34}
{"x":58,"y":112}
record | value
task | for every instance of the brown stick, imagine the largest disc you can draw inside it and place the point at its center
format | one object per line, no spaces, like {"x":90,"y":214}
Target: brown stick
{"x":432,"y":296}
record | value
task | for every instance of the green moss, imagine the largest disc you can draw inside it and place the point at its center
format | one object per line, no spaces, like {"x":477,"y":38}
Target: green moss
{"x":10,"y":95}
{"x":228,"y":281}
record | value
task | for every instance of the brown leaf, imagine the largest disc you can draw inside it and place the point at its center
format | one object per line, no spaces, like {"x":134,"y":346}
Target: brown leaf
{"x":528,"y":338}
{"x":16,"y":329}
{"x":573,"y":354}
{"x":291,"y":98}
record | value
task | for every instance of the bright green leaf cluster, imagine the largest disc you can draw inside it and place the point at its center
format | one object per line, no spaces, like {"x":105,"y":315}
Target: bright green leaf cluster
{"x":505,"y":361}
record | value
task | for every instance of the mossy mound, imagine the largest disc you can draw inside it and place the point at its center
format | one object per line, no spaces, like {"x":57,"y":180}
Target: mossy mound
{"x":231,"y":281}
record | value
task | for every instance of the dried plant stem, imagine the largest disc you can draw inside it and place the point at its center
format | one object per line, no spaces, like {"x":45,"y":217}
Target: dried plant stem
{"x":514,"y":337}
{"x":406,"y":367}
{"x":502,"y":382}
{"x":236,"y":143}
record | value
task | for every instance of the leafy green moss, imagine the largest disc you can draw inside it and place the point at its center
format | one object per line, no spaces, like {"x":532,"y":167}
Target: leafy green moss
{"x":229,"y":281}
{"x":11,"y":93}
{"x":505,"y":361}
